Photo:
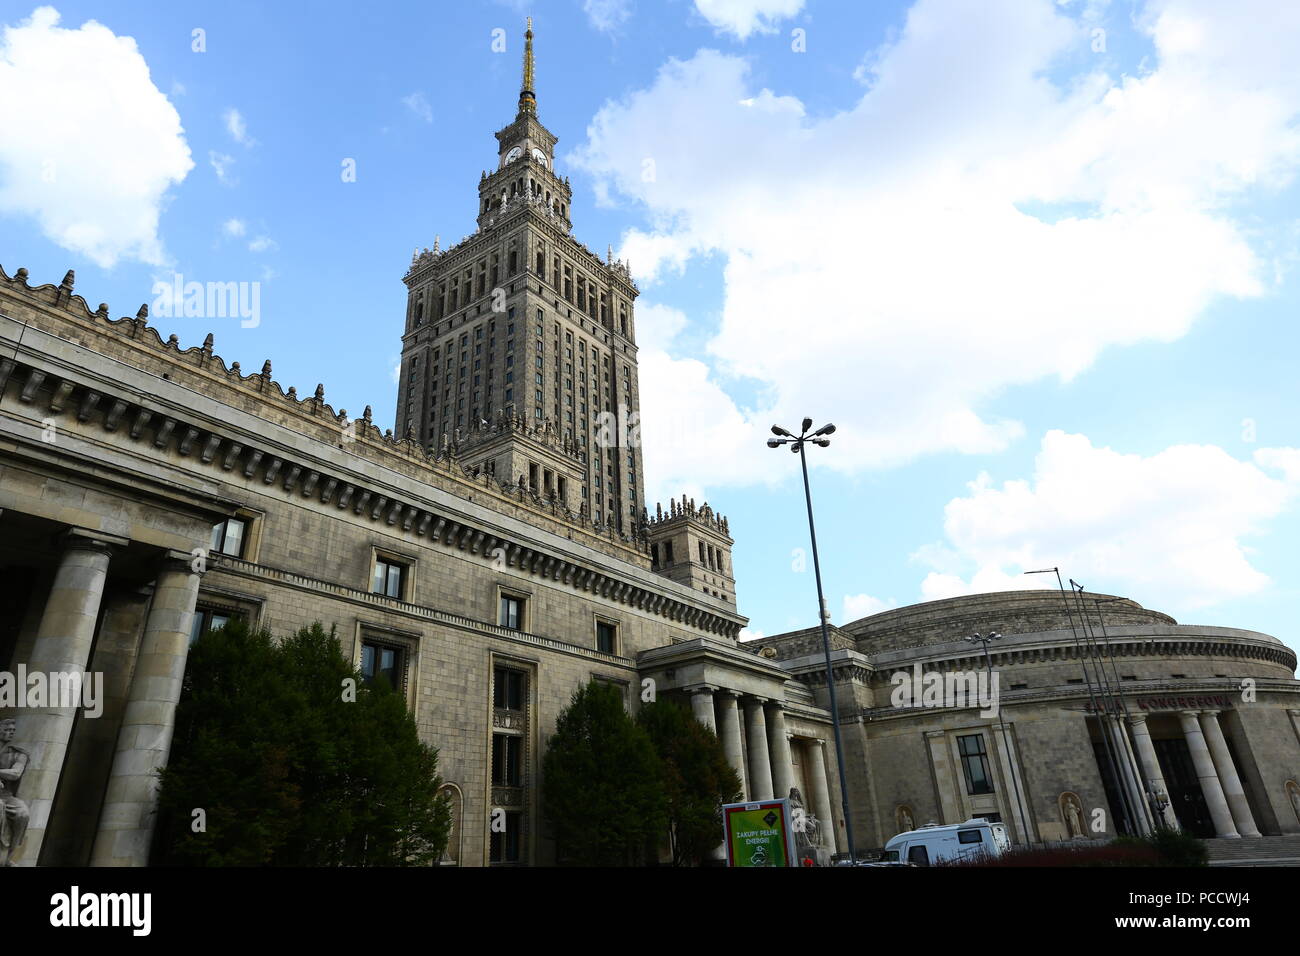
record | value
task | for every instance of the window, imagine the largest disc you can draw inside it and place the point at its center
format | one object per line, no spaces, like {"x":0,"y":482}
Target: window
{"x":208,"y":619}
{"x":975,"y":763}
{"x":918,"y":855}
{"x":384,"y":661}
{"x":970,"y":836}
{"x":228,"y":537}
{"x":508,"y":688}
{"x":512,"y":612}
{"x":606,"y":637}
{"x":389,"y":578}
{"x":504,"y":846}
{"x":508,"y":760}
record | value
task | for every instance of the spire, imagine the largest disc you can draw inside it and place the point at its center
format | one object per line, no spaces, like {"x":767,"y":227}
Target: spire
{"x":527,"y":98}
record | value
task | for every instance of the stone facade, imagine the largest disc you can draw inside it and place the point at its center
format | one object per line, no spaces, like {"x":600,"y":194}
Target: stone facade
{"x":1104,"y":706}
{"x":150,"y":489}
{"x":521,"y":332}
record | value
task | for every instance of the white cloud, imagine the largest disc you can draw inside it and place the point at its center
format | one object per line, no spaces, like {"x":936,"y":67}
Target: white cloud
{"x":896,"y":266}
{"x":607,"y":15}
{"x":263,"y":244}
{"x":1286,"y":460}
{"x":234,"y":227}
{"x":857,"y":606}
{"x":418,"y":104}
{"x":221,"y":163}
{"x":1168,"y":528}
{"x":237,"y":128}
{"x":746,"y":17}
{"x":91,"y":146}
{"x":750,"y":634}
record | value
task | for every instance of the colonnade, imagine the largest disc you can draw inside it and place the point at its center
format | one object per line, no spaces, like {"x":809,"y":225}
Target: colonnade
{"x":63,"y":644}
{"x":762,"y":755}
{"x":1225,"y":797}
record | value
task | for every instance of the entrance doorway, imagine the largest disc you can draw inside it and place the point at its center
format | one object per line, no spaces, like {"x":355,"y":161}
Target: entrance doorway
{"x":1184,"y":788}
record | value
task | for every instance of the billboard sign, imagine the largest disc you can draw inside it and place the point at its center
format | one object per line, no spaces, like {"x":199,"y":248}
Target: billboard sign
{"x":759,"y":833}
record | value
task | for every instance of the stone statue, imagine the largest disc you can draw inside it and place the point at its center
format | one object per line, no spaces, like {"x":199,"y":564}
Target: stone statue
{"x":13,"y":764}
{"x":808,"y":838}
{"x":1072,"y":812}
{"x":904,"y":819}
{"x":1293,"y":792}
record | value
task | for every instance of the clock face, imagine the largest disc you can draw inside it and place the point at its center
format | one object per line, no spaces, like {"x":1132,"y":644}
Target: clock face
{"x":539,"y":156}
{"x":514,"y":154}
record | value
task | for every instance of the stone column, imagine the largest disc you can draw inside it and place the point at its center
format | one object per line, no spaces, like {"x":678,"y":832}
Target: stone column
{"x":1208,"y":776}
{"x":945,"y":780}
{"x":728,"y":730}
{"x":730,"y":734}
{"x":144,"y":741}
{"x":821,"y":791}
{"x":63,"y":643}
{"x":760,"y":765}
{"x":1233,"y":791}
{"x":1128,"y":771}
{"x":1151,"y":764}
{"x":1014,"y":794}
{"x":702,"y":707}
{"x":779,"y":745}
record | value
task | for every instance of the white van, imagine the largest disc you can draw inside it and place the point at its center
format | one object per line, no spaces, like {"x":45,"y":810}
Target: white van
{"x":957,"y":841}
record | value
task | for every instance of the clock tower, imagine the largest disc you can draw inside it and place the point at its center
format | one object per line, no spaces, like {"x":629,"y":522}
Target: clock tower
{"x":519,"y":357}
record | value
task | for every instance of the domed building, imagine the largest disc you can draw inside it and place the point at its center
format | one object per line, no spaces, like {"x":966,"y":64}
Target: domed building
{"x":1088,"y":716}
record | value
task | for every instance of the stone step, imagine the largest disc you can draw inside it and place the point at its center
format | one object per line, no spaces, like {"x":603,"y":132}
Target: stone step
{"x":1281,"y":850}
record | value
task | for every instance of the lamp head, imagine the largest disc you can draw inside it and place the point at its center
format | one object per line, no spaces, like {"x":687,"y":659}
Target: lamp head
{"x":774,"y":443}
{"x":807,"y":424}
{"x":778,"y":430}
{"x":827,"y":429}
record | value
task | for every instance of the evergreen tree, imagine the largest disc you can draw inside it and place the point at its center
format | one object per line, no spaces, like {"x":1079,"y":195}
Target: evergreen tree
{"x":602,"y":784}
{"x":288,"y":768}
{"x":698,"y":779}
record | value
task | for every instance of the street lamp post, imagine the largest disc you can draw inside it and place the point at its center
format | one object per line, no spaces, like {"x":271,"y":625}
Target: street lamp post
{"x":797,"y":443}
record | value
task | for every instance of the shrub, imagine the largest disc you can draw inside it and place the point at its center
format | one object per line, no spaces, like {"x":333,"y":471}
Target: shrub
{"x":288,"y":772}
{"x":602,"y":784}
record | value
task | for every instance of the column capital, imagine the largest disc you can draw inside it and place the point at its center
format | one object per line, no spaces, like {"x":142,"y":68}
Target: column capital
{"x":84,"y":539}
{"x":1137,"y":720}
{"x":180,"y":561}
{"x":701,"y":689}
{"x":753,"y":700}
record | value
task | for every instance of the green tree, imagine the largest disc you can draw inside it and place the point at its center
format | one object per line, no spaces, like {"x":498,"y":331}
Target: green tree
{"x":287,"y":768}
{"x":601,"y":782}
{"x":697,"y":777}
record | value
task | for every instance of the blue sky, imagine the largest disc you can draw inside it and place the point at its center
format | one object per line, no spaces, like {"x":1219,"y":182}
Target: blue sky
{"x":1036,"y":260}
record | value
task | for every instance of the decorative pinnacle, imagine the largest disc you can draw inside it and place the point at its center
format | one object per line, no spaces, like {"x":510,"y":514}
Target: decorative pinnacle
{"x":527,"y":96}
